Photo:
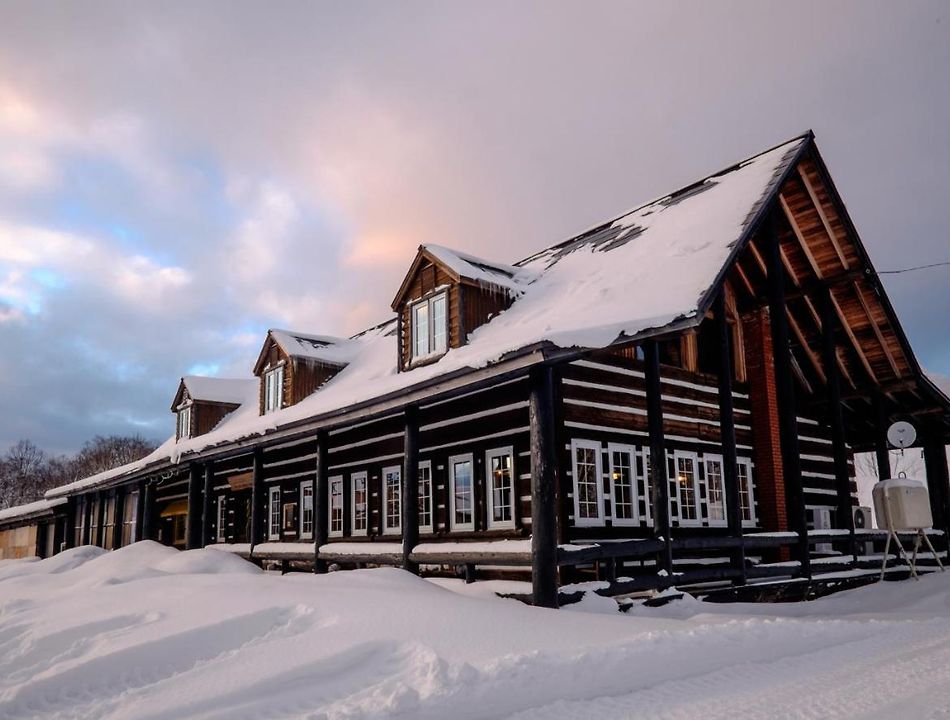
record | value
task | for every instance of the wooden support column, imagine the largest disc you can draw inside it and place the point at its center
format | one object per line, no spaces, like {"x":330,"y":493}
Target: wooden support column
{"x":544,"y":479}
{"x":148,"y":511}
{"x":938,"y":483}
{"x":727,"y":428}
{"x":207,"y":511}
{"x":258,"y":498}
{"x":69,"y":539}
{"x":785,"y":391}
{"x":410,"y":489}
{"x":138,"y":530}
{"x":839,"y":448}
{"x":118,"y":517}
{"x":100,"y":522}
{"x":881,"y":452}
{"x":87,"y":521}
{"x":658,"y":470}
{"x":321,"y":500}
{"x":193,"y":523}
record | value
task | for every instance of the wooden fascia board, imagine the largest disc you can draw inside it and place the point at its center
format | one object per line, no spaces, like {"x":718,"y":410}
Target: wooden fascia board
{"x":177,"y":401}
{"x":258,"y":366}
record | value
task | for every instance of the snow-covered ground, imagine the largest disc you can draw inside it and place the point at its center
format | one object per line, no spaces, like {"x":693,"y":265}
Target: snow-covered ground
{"x":150,"y":632}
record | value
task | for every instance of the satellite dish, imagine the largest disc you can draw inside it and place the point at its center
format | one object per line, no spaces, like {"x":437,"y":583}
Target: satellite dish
{"x":901,"y":434}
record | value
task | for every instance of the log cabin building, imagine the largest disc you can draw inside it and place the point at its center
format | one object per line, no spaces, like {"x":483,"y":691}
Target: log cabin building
{"x":672,"y":396}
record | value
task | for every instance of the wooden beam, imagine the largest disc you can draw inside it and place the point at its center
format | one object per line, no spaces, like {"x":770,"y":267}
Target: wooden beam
{"x":193,"y":518}
{"x":877,"y":330}
{"x":812,"y":356}
{"x":854,"y":340}
{"x":788,"y":266}
{"x":799,"y":235}
{"x":544,"y":478}
{"x":881,"y":452}
{"x":658,"y":470}
{"x":727,"y":428}
{"x":206,"y":510}
{"x":321,"y":502}
{"x":758,"y":258}
{"x":824,"y":218}
{"x":745,"y":279}
{"x":148,"y":511}
{"x":410,"y":489}
{"x":258,"y":497}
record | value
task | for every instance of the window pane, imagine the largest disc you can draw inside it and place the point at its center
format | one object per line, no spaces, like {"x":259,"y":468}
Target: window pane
{"x":425,"y":496}
{"x":686,"y":477}
{"x":393,"y":519}
{"x":336,"y":505}
{"x":439,"y":329}
{"x":420,"y":329}
{"x":622,"y":475}
{"x":274,"y":527}
{"x":716,"y":496}
{"x":588,"y":500}
{"x":306,"y":510}
{"x":745,"y":491}
{"x":359,"y":502}
{"x":462,"y":490}
{"x":501,"y":488}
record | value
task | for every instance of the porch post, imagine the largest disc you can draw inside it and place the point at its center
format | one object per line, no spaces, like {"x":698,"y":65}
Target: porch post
{"x":727,"y":429}
{"x":87,"y":520}
{"x":118,"y":517}
{"x":69,"y":539}
{"x":410,"y":489}
{"x":544,"y":479}
{"x":321,"y":511}
{"x":193,"y":529}
{"x":785,"y":391}
{"x":257,"y":499}
{"x":829,"y":320}
{"x":148,"y":511}
{"x":206,"y":509}
{"x":139,"y":529}
{"x":101,"y":517}
{"x":658,"y":470}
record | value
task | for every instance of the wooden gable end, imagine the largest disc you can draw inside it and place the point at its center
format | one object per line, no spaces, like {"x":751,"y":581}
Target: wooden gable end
{"x":270,"y":356}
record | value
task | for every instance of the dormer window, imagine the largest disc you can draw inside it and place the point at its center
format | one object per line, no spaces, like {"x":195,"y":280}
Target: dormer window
{"x":274,"y":389}
{"x":429,"y":327}
{"x":184,"y":423}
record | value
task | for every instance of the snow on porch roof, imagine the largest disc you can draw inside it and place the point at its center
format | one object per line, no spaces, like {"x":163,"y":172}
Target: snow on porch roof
{"x":640,"y":273}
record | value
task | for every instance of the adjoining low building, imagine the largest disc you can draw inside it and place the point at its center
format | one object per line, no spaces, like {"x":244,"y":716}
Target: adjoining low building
{"x":678,"y":390}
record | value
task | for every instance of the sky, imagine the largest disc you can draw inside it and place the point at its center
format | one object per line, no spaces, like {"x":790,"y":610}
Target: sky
{"x":176,"y":177}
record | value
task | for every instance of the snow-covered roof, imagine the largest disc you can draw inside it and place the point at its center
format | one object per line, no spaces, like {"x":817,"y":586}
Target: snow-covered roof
{"x":322,"y":348}
{"x":232,"y":391}
{"x":641,"y":273}
{"x":33,"y":508}
{"x":485,"y":272}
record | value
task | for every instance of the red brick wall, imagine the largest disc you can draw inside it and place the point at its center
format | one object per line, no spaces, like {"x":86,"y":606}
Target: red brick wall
{"x":763,"y":398}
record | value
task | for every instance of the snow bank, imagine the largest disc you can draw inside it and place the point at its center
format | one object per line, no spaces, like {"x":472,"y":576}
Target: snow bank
{"x":148,"y":632}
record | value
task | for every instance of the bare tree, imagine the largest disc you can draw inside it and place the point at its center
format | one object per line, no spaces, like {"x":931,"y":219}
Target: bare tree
{"x":21,"y":479}
{"x":104,"y":453}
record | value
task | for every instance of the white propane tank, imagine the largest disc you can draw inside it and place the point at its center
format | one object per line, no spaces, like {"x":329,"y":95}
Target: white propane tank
{"x":908,"y":504}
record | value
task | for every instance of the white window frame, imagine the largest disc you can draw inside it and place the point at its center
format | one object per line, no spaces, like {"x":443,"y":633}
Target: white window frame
{"x":632,"y":453}
{"x":335,"y":490}
{"x":426,"y":527}
{"x":301,"y":520}
{"x":688,"y":455}
{"x":390,"y":528}
{"x":354,"y":478}
{"x":221,"y":528}
{"x":431,"y":349}
{"x":714,"y":458}
{"x":647,"y":487}
{"x":184,"y":421}
{"x":274,"y":509}
{"x":274,"y":388}
{"x":490,"y":489}
{"x":599,"y":472}
{"x":752,"y":521}
{"x":453,"y":461}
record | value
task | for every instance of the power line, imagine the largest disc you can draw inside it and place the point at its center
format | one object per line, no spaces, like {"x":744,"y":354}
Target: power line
{"x":911,"y":269}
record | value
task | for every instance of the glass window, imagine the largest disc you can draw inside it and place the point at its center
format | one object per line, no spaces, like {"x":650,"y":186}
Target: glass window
{"x":746,"y":498}
{"x":588,"y":498}
{"x":499,"y":465}
{"x":425,"y":496}
{"x":80,"y":523}
{"x":430,"y":326}
{"x":358,"y":503}
{"x":623,"y":483}
{"x":273,"y":525}
{"x":108,"y":524}
{"x":336,"y":506}
{"x":306,"y":509}
{"x":184,"y":423}
{"x":94,"y":523}
{"x":715,"y":490}
{"x":130,"y":512}
{"x":392,"y":505}
{"x":273,"y":389}
{"x":462,"y":496}
{"x":688,"y":488}
{"x":221,"y":530}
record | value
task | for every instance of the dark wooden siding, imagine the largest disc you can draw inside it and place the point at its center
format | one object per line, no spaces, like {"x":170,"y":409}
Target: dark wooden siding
{"x":206,"y":416}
